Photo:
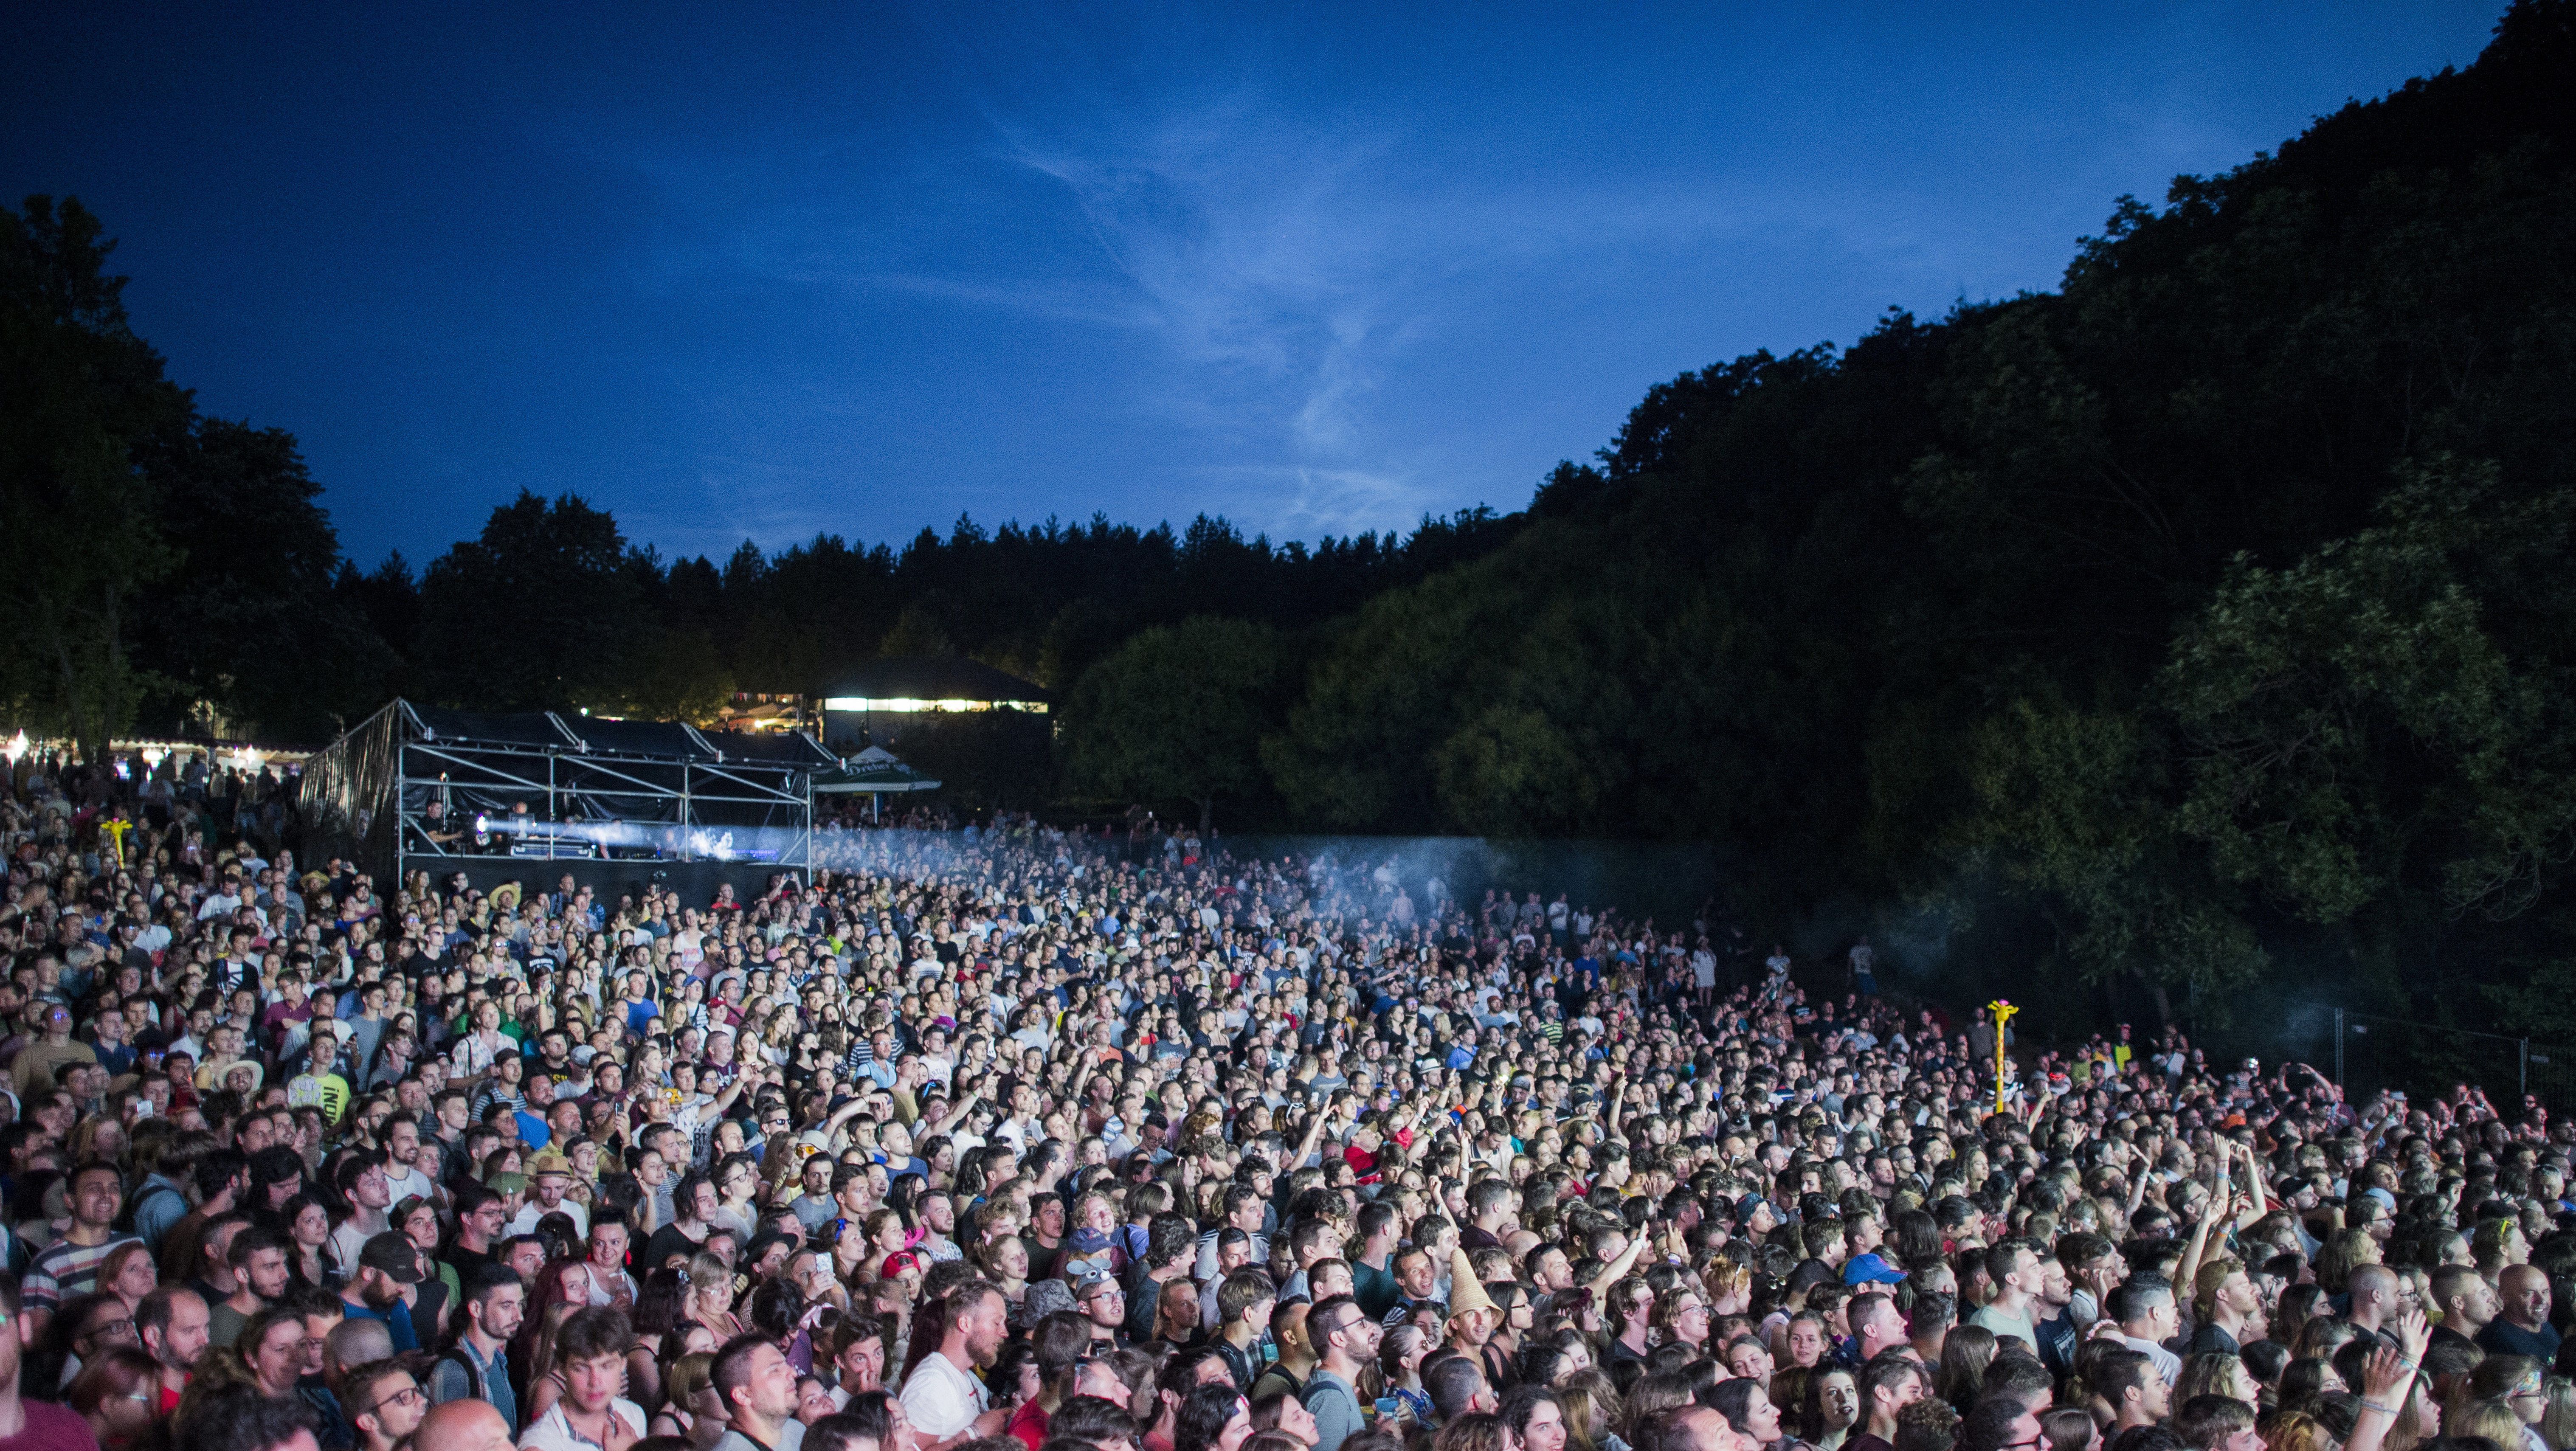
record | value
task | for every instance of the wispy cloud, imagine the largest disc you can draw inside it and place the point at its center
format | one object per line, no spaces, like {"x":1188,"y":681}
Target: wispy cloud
{"x":1253,"y":245}
{"x":1263,"y":269}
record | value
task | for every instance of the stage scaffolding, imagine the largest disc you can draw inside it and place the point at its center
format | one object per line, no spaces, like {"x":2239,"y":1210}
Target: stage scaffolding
{"x":417,"y":787}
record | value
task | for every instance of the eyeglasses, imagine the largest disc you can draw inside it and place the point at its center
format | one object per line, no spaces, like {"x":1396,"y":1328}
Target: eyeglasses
{"x":407,"y":1396}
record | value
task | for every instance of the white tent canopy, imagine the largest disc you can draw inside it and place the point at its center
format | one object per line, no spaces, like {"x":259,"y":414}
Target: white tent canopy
{"x":874,"y":771}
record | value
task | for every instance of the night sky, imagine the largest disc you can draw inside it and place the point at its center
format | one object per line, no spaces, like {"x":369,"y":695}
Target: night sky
{"x":760,"y":271}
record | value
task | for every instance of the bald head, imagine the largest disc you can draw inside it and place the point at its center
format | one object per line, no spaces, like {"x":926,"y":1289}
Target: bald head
{"x":2525,"y":1292}
{"x":462,"y":1426}
{"x":356,"y":1341}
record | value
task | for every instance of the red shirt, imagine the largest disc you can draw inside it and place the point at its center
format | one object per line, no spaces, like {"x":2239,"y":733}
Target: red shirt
{"x":50,"y":1428}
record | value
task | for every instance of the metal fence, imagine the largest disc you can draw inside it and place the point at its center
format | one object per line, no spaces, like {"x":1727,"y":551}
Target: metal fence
{"x":2365,"y":1053}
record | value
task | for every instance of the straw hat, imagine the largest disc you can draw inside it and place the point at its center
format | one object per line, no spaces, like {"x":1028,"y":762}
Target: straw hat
{"x":211,"y":1076}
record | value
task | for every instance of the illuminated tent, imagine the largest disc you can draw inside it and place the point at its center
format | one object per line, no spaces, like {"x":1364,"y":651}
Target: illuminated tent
{"x":877,"y":702}
{"x":874,"y":770}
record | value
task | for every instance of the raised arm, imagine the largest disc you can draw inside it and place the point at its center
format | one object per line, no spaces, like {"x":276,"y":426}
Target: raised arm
{"x":742,"y":1079}
{"x":834,"y":1126}
{"x":1086,"y":1063}
{"x":2387,"y":1380}
{"x":2138,"y":1190}
{"x":2257,"y":1201}
{"x":1314,"y":1135}
{"x":2187,"y":1272}
{"x":1617,"y":1270}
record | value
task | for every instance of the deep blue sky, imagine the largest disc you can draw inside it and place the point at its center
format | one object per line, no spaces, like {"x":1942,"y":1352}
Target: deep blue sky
{"x":741,"y":270}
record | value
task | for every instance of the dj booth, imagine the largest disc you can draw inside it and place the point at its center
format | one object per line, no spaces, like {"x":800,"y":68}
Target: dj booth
{"x":509,"y":797}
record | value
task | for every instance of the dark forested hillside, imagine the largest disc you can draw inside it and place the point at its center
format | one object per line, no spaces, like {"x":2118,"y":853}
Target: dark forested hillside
{"x":2209,"y":609}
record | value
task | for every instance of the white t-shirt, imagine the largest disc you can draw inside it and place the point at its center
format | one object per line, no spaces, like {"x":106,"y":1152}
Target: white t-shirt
{"x":791,"y":1437}
{"x":526,"y":1223}
{"x":941,"y":1399}
{"x":552,"y":1432}
{"x":351,"y":1237}
{"x":408,"y":1183}
{"x":2168,"y":1365}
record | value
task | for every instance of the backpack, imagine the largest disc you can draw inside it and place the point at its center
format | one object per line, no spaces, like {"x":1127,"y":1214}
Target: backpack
{"x":473,"y":1373}
{"x":133,"y":1210}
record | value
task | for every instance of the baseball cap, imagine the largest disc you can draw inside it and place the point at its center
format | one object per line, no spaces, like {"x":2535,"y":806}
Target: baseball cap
{"x":898,"y":1262}
{"x":395,"y":1254}
{"x":1872,"y":1269}
{"x":1046,"y":1297}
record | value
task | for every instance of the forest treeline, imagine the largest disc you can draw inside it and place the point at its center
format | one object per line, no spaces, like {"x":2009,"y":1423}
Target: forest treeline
{"x":174,"y":570}
{"x":2197,"y":628}
{"x":2205,"y":624}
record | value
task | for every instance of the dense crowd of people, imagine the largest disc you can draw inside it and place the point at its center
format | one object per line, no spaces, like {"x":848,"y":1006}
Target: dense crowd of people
{"x":1008,"y":1139}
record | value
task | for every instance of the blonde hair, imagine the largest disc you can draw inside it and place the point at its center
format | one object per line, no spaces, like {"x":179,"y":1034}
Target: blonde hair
{"x":1588,"y":1398}
{"x":2493,"y":1419}
{"x":2215,"y":1373}
{"x":2299,"y":1431}
{"x":2558,"y":1423}
{"x":708,"y":1272}
{"x":689,"y":1375}
{"x":2344,"y":1252}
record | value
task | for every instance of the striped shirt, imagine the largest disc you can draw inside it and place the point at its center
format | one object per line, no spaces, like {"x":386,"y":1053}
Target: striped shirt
{"x":62,"y":1270}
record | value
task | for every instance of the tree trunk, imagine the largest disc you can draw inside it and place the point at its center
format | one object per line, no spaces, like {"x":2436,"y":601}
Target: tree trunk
{"x":1207,"y":814}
